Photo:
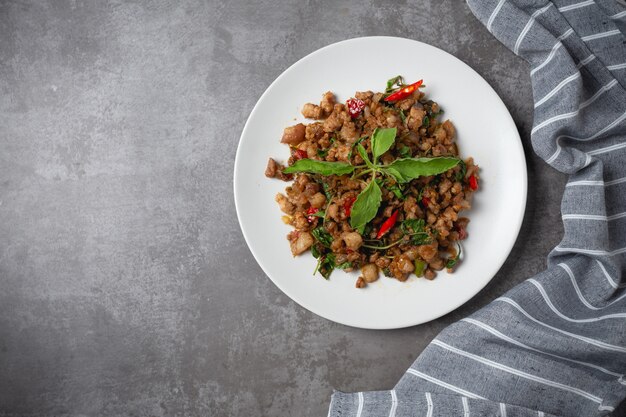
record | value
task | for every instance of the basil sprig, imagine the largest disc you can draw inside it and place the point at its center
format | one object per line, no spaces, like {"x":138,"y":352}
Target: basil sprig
{"x":313,"y":166}
{"x":394,"y":84}
{"x":401,"y":170}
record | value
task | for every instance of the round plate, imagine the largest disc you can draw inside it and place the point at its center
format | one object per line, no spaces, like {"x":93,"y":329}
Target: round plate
{"x":485,"y":131}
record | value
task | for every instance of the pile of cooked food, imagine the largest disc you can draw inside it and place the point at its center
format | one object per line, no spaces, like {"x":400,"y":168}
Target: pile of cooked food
{"x":378,"y":185}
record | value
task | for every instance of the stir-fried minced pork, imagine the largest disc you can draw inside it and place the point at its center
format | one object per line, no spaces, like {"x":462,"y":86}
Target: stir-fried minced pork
{"x":378,"y":185}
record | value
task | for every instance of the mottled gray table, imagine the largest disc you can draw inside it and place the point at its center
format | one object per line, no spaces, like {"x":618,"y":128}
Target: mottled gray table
{"x":126,"y":287}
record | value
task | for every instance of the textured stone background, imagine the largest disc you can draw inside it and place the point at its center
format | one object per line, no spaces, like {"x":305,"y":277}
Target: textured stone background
{"x":126,"y":287}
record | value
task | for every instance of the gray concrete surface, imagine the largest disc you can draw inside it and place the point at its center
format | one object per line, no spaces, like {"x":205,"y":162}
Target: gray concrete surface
{"x":126,"y":287}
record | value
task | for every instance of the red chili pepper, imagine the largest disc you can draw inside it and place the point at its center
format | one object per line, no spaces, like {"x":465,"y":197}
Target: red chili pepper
{"x":347,"y":205}
{"x":299,"y":154}
{"x":388,"y":224}
{"x":355,"y":107}
{"x":405,"y":92}
{"x":473,"y":182}
{"x":425,"y":201}
{"x":311,"y":210}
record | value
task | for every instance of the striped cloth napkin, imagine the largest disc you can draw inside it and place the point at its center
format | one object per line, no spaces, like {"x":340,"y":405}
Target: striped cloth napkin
{"x":556,"y":344}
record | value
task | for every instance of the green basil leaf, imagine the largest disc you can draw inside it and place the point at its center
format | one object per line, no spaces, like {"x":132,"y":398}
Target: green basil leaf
{"x":361,"y":150}
{"x":395,"y":174}
{"x":319,"y":167}
{"x":426,"y":121}
{"x":365,"y":206}
{"x":382,"y":141}
{"x":407,"y":169}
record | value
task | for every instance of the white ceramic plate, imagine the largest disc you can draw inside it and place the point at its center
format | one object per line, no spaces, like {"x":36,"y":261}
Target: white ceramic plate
{"x":485,"y":131}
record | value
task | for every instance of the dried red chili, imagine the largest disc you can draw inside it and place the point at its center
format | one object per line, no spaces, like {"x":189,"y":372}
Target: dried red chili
{"x":347,"y":205}
{"x":355,"y":107}
{"x":299,"y":154}
{"x":473,"y":182}
{"x":310,"y":212}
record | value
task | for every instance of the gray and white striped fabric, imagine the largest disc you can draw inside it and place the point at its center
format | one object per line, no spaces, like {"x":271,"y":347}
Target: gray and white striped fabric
{"x":556,"y":344}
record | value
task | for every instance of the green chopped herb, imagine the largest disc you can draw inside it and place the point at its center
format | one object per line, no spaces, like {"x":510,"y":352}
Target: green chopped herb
{"x":354,"y":145}
{"x":420,"y":239}
{"x":460,"y":175}
{"x":452,"y":262}
{"x":325,"y":188}
{"x":344,"y":265}
{"x":420,"y":267}
{"x":319,"y":213}
{"x":396,"y":191}
{"x":325,"y":265}
{"x":435,"y":181}
{"x":394,"y":83}
{"x":404,"y":151}
{"x":426,"y":121}
{"x":322,"y":236}
{"x":315,"y":251}
{"x":414,"y":228}
{"x":413,"y":225}
{"x":402,"y":116}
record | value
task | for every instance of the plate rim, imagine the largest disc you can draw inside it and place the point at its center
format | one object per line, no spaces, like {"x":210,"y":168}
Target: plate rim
{"x":415,"y":321}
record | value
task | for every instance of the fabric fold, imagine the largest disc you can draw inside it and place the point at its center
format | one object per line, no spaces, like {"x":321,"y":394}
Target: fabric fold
{"x":555,"y":345}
